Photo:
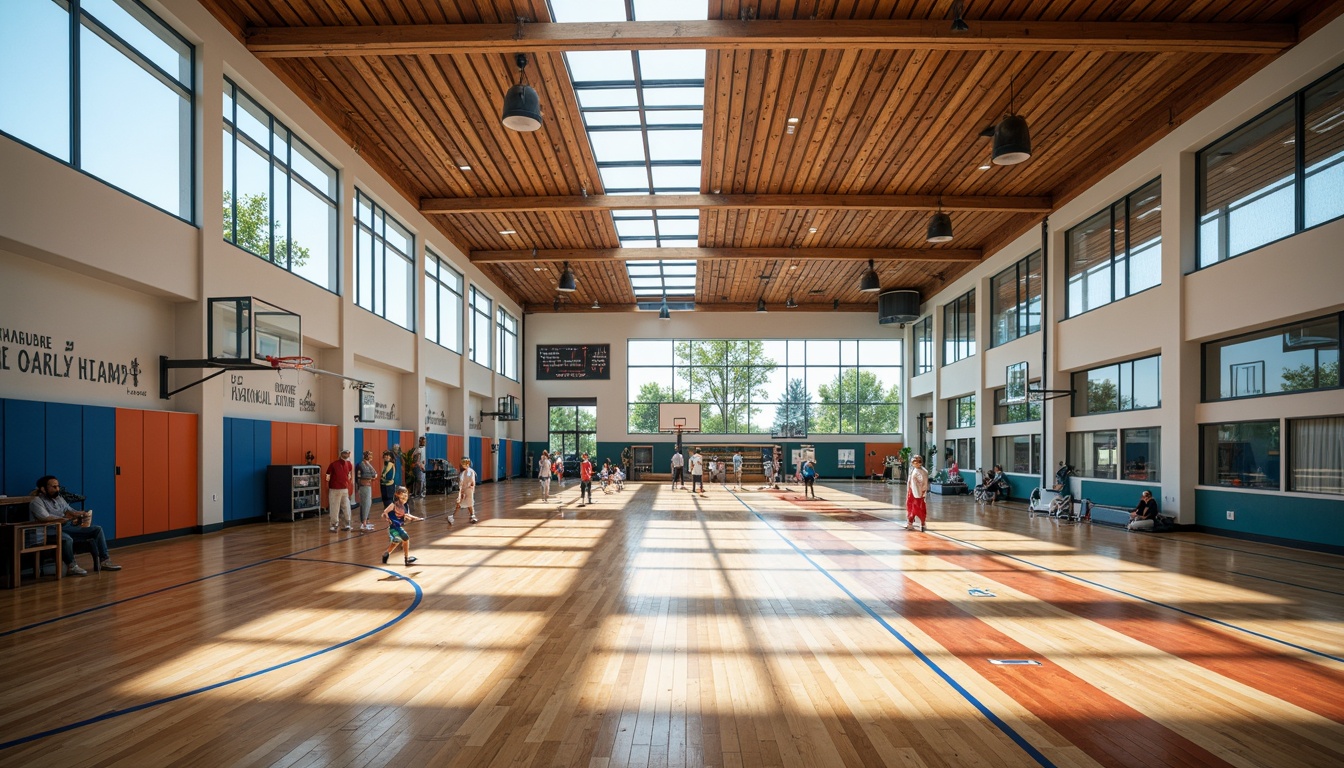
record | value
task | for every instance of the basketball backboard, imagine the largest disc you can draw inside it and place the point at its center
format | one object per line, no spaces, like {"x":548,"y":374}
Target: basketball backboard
{"x":679,"y":417}
{"x":244,"y":329}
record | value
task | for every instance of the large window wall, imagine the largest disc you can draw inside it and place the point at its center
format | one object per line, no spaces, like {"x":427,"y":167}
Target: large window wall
{"x":959,"y":328}
{"x":479,"y":349}
{"x":1015,"y":301}
{"x":924,"y":346}
{"x":572,"y":431}
{"x":1128,"y":386}
{"x":506,"y":357}
{"x":1316,"y":455}
{"x":1020,"y":454}
{"x":384,"y":264}
{"x":1125,"y":454}
{"x":1243,"y":454}
{"x":443,"y":302}
{"x":1278,"y":174}
{"x":961,"y":412}
{"x":108,"y":91}
{"x":280,"y":196}
{"x":1116,"y":253}
{"x":1298,"y":357}
{"x":820,"y":386}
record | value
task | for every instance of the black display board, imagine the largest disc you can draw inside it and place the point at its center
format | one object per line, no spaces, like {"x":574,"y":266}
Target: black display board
{"x":573,"y":361}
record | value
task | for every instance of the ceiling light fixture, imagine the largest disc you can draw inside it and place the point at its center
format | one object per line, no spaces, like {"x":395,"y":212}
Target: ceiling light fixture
{"x":790,"y":304}
{"x":870,"y":283}
{"x":1012,"y":138}
{"x":596,"y":305}
{"x":522,"y":107}
{"x":464,"y":167}
{"x":792,"y":125}
{"x":664,"y":312}
{"x":555,"y":305}
{"x":508,"y":231}
{"x":760,"y":304}
{"x":940,"y":227}
{"x":568,"y":283}
{"x":958,"y":23}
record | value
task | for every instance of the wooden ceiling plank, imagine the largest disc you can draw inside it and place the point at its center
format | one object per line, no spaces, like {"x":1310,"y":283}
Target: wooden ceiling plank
{"x":1005,"y":204}
{"x":723,"y":254}
{"x":769,"y":34}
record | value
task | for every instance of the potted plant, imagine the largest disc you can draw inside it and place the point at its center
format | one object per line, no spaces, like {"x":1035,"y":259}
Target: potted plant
{"x":408,"y":470}
{"x":903,"y":456}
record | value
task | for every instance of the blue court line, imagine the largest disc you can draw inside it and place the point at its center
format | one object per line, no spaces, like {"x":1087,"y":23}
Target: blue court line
{"x":1286,"y":583}
{"x":419,"y":596}
{"x":930,"y":663}
{"x":158,"y":591}
{"x":1150,"y":601}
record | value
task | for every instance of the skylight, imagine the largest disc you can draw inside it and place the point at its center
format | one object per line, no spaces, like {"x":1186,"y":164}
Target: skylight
{"x":644,"y":114}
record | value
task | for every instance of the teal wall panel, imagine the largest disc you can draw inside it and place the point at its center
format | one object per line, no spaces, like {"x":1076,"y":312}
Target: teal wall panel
{"x":1308,"y":519}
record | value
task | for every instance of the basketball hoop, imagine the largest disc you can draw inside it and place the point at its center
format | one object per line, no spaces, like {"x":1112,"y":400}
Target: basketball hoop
{"x":292,"y":362}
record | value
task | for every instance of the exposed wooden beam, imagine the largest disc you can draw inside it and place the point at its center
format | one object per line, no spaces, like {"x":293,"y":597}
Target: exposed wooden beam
{"x":735,"y":254}
{"x":1039,"y":204}
{"x":770,"y":34}
{"x":708,"y":306}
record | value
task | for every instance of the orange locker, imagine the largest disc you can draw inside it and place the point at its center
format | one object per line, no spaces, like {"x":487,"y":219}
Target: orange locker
{"x":130,"y":473}
{"x":296,"y":450}
{"x":156,"y":472}
{"x":456,"y":449}
{"x":183,"y":470}
{"x":279,"y":442}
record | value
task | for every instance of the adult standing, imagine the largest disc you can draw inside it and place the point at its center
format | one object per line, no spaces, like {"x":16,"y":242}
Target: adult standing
{"x":340,"y":487}
{"x":418,"y":465}
{"x":51,"y":507}
{"x":918,"y":490}
{"x":1144,"y":516}
{"x":585,"y":481}
{"x":678,"y":465}
{"x":544,"y":472}
{"x":697,"y":471}
{"x":365,"y":476}
{"x":387,"y":482}
{"x":737,"y":468}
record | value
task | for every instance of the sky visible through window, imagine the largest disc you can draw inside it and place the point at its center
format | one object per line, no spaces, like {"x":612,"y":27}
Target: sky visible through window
{"x":644,"y":114}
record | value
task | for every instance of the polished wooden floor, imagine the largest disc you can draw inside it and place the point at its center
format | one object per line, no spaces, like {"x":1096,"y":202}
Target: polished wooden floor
{"x":658,"y":628}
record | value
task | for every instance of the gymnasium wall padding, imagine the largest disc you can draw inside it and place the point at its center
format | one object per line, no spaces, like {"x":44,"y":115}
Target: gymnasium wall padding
{"x":130,"y":472}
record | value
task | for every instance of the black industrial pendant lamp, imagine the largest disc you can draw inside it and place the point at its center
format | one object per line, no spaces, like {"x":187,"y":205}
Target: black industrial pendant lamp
{"x":567,"y":282}
{"x":940,"y":227}
{"x":664,"y":312}
{"x":760,"y":304}
{"x":790,"y":303}
{"x":870,"y":282}
{"x":958,"y":23}
{"x":522,"y":107}
{"x":1012,"y":139}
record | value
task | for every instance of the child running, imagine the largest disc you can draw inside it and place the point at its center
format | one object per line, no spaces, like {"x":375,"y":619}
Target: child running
{"x":544,"y":473}
{"x":396,"y":515}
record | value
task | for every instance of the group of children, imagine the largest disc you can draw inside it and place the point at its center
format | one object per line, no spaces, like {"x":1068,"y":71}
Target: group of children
{"x":398,"y":513}
{"x":610,"y":476}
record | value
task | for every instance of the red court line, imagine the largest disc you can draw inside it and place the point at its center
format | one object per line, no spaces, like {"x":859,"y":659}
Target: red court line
{"x":1105,"y":728}
{"x":1300,"y":682}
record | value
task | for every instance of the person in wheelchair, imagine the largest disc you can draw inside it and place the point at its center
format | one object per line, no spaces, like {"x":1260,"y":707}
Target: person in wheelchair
{"x":993,"y":487}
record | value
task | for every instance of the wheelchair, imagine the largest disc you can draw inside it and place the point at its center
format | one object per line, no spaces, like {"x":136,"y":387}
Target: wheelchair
{"x":990,"y":493}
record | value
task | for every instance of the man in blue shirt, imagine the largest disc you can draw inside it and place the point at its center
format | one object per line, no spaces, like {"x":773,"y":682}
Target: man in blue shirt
{"x":50,"y":506}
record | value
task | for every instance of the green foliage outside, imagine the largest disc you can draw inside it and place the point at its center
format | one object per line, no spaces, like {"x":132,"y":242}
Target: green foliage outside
{"x":254,"y":234}
{"x":1305,"y":377}
{"x":729,"y":377}
{"x":573,"y":429}
{"x":837,"y":412}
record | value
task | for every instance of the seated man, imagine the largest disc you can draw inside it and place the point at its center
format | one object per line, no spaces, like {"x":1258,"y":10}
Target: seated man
{"x":49,"y":506}
{"x":1144,"y":516}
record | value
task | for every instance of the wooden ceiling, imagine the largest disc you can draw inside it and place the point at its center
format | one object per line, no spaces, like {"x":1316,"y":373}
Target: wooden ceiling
{"x":892,"y":105}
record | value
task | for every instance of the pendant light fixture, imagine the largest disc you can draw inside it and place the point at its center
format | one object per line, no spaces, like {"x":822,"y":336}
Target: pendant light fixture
{"x":940,"y":226}
{"x":958,"y":23}
{"x":664,"y":312}
{"x":790,"y":303}
{"x":1012,"y":139}
{"x":522,"y":107}
{"x":870,"y":282}
{"x":568,"y":283}
{"x":760,"y":304}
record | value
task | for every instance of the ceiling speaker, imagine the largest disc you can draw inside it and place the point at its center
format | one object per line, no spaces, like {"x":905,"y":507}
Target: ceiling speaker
{"x":900,"y":306}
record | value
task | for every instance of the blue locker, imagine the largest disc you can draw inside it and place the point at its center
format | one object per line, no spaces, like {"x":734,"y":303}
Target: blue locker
{"x":474,"y":451}
{"x":99,"y":460}
{"x":25,"y":446}
{"x":64,"y":429}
